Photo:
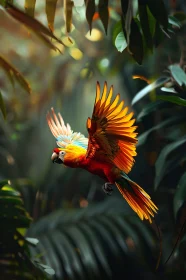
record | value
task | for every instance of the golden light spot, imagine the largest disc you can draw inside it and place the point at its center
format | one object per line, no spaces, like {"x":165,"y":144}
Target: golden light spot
{"x":96,"y":35}
{"x":86,"y":73}
{"x":76,"y":53}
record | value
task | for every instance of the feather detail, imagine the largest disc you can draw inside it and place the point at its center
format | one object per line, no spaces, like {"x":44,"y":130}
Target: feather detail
{"x":63,"y":133}
{"x":111,"y":130}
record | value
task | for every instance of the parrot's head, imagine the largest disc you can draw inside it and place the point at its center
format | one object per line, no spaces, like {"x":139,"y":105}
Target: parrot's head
{"x":69,"y":155}
{"x":58,"y":155}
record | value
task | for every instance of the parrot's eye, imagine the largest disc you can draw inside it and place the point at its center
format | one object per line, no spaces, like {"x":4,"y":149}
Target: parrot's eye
{"x":62,"y":153}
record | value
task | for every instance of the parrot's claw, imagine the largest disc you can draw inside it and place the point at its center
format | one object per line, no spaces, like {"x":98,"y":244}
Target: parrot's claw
{"x":107,"y":188}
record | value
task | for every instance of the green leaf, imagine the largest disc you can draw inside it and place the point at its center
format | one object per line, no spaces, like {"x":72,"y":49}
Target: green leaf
{"x":116,"y":30}
{"x":158,"y":10}
{"x":161,"y":161}
{"x":120,"y":42}
{"x":50,"y":9}
{"x":173,"y":99}
{"x":135,"y":46}
{"x":144,"y":20}
{"x":149,"y":108}
{"x":174,"y":21}
{"x":143,"y":137}
{"x":180,"y":195}
{"x":2,"y":106}
{"x":178,"y":74}
{"x":160,"y":81}
{"x":103,"y":13}
{"x":11,"y":70}
{"x":33,"y":24}
{"x":90,"y":10}
{"x":3,"y":183}
{"x":30,"y":7}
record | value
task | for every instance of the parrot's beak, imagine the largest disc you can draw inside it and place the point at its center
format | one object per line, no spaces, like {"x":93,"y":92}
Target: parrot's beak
{"x":55,"y":158}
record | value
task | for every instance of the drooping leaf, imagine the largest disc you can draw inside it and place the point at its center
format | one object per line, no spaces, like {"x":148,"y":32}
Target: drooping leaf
{"x":30,"y":7}
{"x":180,"y":195}
{"x":158,"y":10}
{"x":120,"y":42}
{"x":31,"y":23}
{"x":12,"y":71}
{"x":165,"y":153}
{"x":2,"y":106}
{"x":171,"y":121}
{"x":90,"y":244}
{"x":173,"y":99}
{"x":50,"y":12}
{"x":136,"y":42}
{"x":160,"y":81}
{"x":145,"y":25}
{"x":178,"y":74}
{"x":149,"y":108}
{"x":90,"y":10}
{"x":128,"y":19}
{"x":68,"y":6}
{"x":103,"y":13}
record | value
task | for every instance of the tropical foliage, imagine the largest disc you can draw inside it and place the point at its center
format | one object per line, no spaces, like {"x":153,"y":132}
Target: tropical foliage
{"x":59,"y":220}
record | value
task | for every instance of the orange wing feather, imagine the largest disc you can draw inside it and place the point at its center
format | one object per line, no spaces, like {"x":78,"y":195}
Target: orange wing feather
{"x":111,"y":132}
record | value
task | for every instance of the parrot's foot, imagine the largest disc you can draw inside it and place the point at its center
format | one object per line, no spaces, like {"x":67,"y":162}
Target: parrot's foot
{"x":107,"y":188}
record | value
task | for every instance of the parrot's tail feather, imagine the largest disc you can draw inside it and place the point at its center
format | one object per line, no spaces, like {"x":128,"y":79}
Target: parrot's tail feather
{"x":138,"y":200}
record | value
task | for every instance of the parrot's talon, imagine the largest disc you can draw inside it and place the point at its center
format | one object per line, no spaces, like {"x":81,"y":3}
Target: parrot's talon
{"x":107,"y":188}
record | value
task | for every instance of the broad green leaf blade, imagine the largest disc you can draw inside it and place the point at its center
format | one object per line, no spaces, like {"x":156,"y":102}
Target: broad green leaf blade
{"x":50,"y":9}
{"x":165,"y":153}
{"x":173,"y":99}
{"x":68,"y":6}
{"x":158,"y":10}
{"x":178,"y":74}
{"x":120,"y":42}
{"x":145,"y":25}
{"x":30,"y":7}
{"x":103,"y":13}
{"x":116,"y":30}
{"x":149,"y":88}
{"x":143,"y":137}
{"x":2,"y":106}
{"x":135,"y":46}
{"x":90,"y":10}
{"x":180,"y":195}
{"x":15,"y":73}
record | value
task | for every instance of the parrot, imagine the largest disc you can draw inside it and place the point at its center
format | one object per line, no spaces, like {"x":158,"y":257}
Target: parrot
{"x":108,"y":151}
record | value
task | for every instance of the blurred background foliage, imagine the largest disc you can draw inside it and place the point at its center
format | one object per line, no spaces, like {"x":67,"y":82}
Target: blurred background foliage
{"x":49,"y":58}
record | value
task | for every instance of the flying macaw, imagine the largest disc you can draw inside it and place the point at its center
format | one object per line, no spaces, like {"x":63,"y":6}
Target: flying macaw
{"x":107,"y":152}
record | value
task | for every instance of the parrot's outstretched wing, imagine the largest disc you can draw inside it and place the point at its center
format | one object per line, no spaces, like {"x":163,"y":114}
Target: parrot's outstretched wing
{"x":63,"y":133}
{"x":111,"y":131}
